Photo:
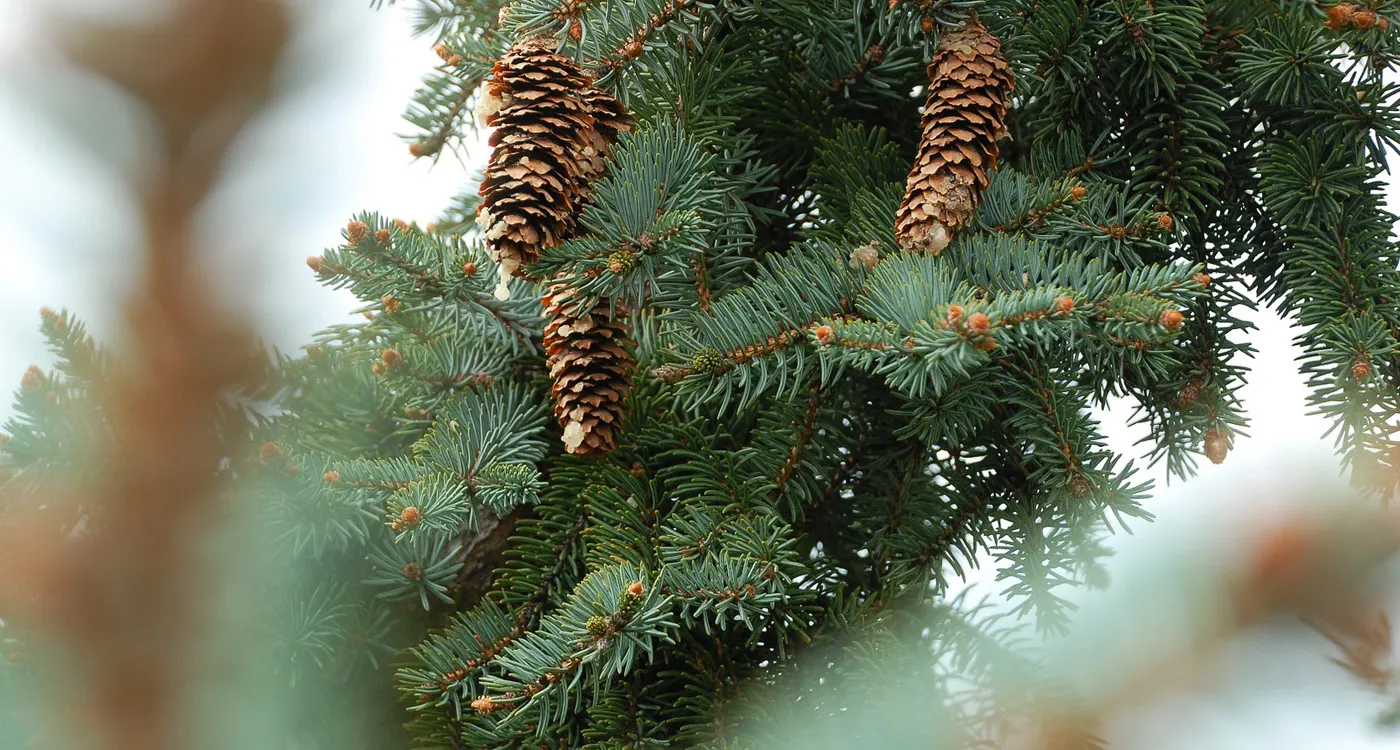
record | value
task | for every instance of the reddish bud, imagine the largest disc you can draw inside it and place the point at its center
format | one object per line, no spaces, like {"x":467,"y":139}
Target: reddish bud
{"x":1078,"y":192}
{"x":269,"y":452}
{"x":390,"y":357}
{"x":356,"y":232}
{"x":1339,"y":16}
{"x":1361,"y":366}
{"x":411,"y":516}
{"x":331,"y":477}
{"x":1171,"y":320}
{"x":1165,"y":222}
{"x":1201,"y":278}
{"x":413,"y":571}
{"x":926,"y":24}
{"x":1064,"y":305}
{"x":825,"y":335}
{"x":383,"y":236}
{"x":316,"y":263}
{"x":632,"y":49}
{"x":32,"y":378}
{"x":1363,"y":19}
{"x":978,"y":324}
{"x":635,"y":589}
{"x":469,"y":269}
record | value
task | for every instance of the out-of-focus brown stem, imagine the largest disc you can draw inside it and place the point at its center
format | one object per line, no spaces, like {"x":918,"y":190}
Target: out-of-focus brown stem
{"x":122,"y":597}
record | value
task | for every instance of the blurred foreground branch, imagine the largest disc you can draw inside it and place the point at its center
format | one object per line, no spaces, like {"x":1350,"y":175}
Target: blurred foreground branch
{"x":119,"y":592}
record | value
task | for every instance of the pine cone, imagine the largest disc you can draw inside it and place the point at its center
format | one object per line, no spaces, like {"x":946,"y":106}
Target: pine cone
{"x":532,"y":185}
{"x":591,"y":369}
{"x":965,"y":114}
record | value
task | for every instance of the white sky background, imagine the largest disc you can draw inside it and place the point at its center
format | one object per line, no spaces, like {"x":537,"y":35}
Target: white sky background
{"x":330,"y":150}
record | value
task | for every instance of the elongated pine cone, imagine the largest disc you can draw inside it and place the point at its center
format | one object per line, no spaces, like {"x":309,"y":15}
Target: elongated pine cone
{"x":553,"y":134}
{"x":969,"y":82}
{"x":591,"y":368}
{"x":531,"y":189}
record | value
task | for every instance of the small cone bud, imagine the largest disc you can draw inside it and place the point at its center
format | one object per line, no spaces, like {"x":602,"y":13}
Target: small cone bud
{"x":1189,"y":394}
{"x":1361,"y":366}
{"x":1171,"y":320}
{"x":401,"y":225}
{"x":411,"y":516}
{"x":1064,"y":305}
{"x":1078,"y":192}
{"x":32,"y":378}
{"x":1217,"y":445}
{"x":454,"y":60}
{"x":383,"y":236}
{"x":825,"y":335}
{"x":955,"y":313}
{"x":469,"y":269}
{"x":484,"y":704}
{"x":1164,"y":221}
{"x":269,"y":452}
{"x":632,"y":49}
{"x":442,"y":51}
{"x":416,"y":149}
{"x":390,"y":357}
{"x":1201,"y":278}
{"x":575,"y":30}
{"x":331,"y":477}
{"x":413,"y":571}
{"x":292,"y":470}
{"x":377,"y":368}
{"x":316,"y":263}
{"x":635,"y":589}
{"x":1339,"y":16}
{"x":356,"y":232}
{"x":390,"y":303}
{"x":978,"y":324}
{"x":926,"y":24}
{"x":1363,"y":19}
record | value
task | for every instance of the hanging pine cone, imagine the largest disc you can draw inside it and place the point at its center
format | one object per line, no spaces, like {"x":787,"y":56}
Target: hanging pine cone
{"x":532,"y":185}
{"x":591,"y":369}
{"x":969,"y":81}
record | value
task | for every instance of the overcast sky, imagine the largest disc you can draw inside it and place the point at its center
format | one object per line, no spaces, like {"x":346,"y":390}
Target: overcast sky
{"x":330,"y":150}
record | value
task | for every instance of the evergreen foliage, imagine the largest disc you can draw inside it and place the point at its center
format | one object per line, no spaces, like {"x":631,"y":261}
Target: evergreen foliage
{"x":824,"y":431}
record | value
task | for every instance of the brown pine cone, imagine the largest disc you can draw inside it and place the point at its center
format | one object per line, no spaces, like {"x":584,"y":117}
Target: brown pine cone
{"x":969,"y":81}
{"x":591,"y":368}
